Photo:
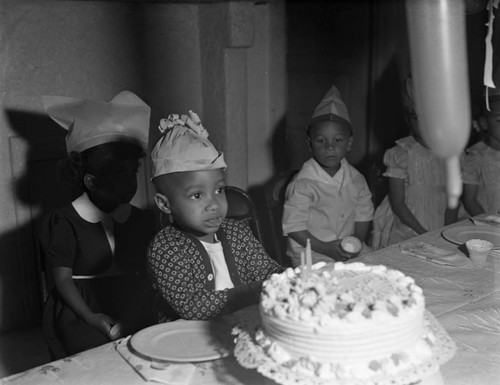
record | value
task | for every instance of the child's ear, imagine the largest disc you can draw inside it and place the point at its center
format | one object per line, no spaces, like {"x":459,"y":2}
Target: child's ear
{"x":349,"y":142}
{"x":163,"y":203}
{"x":89,"y":182}
{"x":308,"y":141}
{"x":483,"y":124}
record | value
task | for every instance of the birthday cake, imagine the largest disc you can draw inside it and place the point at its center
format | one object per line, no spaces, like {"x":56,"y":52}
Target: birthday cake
{"x":344,"y":321}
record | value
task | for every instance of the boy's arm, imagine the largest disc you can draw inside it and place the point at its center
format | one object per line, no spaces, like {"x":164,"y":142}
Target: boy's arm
{"x":258,"y":264}
{"x":331,"y":249}
{"x":364,"y":211}
{"x":253,"y":266}
{"x":399,"y":207}
{"x":471,"y":202}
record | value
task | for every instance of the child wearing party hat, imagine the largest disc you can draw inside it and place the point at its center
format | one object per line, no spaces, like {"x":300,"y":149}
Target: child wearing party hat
{"x":328,"y":199}
{"x":202,"y":263}
{"x":95,"y":247}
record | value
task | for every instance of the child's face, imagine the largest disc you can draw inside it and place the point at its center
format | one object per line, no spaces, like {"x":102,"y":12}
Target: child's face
{"x":116,"y":186}
{"x":196,"y":200}
{"x":329,"y":142}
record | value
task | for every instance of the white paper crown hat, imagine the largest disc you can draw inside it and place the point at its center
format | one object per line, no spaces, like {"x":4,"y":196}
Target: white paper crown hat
{"x":90,"y":123}
{"x":331,"y":108}
{"x":184,"y":146}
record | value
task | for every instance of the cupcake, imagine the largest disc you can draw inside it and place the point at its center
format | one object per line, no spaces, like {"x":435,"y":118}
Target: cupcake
{"x":478,"y":249}
{"x":351,"y":244}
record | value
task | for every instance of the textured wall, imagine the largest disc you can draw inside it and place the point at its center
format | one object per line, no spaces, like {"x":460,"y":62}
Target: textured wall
{"x":82,"y":49}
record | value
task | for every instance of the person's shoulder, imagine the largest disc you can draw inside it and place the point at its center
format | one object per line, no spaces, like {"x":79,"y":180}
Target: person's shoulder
{"x":305,"y":170}
{"x":476,"y":149}
{"x":231,"y":224}
{"x":309,"y":174}
{"x":167,"y":235}
{"x":60,"y":222}
{"x":64,"y":213}
{"x":398,"y":154}
{"x":406,"y":143}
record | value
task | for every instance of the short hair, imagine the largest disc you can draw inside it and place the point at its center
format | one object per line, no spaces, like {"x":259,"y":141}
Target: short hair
{"x":98,"y":160}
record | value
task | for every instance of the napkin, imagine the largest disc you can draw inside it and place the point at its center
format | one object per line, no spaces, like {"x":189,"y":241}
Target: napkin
{"x":171,"y":373}
{"x":434,"y":254}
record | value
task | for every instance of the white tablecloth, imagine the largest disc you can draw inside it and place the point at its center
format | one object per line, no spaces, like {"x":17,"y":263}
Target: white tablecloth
{"x":465,"y":300}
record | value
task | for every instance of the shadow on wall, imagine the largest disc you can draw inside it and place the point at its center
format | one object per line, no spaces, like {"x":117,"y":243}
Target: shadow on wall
{"x":34,"y":152}
{"x":269,"y":212}
{"x":388,"y":125}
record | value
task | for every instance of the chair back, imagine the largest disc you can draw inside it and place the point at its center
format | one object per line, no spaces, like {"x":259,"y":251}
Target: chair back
{"x":240,"y":206}
{"x":275,"y":200}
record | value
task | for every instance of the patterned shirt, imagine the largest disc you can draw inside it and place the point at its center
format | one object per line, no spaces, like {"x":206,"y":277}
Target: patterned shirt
{"x":180,"y":268}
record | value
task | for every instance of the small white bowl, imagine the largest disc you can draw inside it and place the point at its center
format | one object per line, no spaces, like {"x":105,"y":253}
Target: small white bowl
{"x":351,"y":244}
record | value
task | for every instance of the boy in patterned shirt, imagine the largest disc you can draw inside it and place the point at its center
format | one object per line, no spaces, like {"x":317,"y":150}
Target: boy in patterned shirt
{"x":202,"y":264}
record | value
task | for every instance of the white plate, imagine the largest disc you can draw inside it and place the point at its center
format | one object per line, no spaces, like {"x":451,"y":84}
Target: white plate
{"x":183,"y":341}
{"x":462,"y":234}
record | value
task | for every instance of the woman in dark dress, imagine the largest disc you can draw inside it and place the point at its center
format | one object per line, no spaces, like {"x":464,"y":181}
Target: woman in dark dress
{"x":95,"y":247}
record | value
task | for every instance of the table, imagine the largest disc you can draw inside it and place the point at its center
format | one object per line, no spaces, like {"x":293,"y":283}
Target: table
{"x":465,"y":300}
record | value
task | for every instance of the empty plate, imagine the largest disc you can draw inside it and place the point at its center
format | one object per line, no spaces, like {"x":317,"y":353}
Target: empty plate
{"x":184,"y":341}
{"x":462,"y":234}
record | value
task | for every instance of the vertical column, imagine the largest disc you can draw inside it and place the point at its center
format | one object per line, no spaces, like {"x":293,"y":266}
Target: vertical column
{"x":224,"y":80}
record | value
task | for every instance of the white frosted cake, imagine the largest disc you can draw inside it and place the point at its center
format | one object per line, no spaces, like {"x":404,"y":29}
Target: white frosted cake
{"x":344,"y":321}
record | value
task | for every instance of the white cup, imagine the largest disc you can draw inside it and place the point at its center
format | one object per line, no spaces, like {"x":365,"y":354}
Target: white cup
{"x":478,"y":250}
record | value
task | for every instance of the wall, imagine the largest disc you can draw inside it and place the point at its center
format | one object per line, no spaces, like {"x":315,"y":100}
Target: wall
{"x":214,"y":58}
{"x":328,"y":43}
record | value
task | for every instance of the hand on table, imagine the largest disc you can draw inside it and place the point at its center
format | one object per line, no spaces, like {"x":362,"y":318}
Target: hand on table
{"x":104,"y":324}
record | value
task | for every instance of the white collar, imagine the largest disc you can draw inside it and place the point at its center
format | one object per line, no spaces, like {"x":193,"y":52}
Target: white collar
{"x":89,"y":212}
{"x":313,"y":170}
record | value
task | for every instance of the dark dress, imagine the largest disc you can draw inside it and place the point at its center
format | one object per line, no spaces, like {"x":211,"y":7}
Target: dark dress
{"x":116,"y":285}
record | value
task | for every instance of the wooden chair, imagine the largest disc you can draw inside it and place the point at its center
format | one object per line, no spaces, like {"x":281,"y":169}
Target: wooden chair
{"x":275,"y":199}
{"x":240,"y":206}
